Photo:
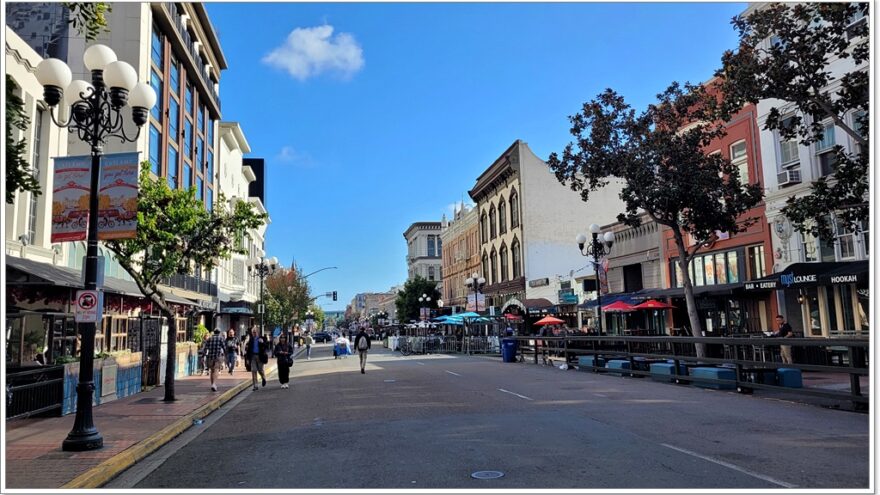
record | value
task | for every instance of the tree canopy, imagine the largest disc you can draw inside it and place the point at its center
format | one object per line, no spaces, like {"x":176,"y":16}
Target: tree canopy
{"x":175,"y":233}
{"x":287,"y":297}
{"x":785,"y":52}
{"x":407,"y":302}
{"x":660,"y":157}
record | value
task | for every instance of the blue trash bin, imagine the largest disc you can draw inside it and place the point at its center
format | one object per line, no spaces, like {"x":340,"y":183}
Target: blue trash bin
{"x":508,"y":350}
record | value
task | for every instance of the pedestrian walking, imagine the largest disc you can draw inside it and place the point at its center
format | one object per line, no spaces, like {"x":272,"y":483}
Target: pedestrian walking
{"x":256,"y":354}
{"x":784,"y":330}
{"x":308,"y":340}
{"x":232,"y":349}
{"x":362,"y":344}
{"x":214,"y":352}
{"x":284,"y":357}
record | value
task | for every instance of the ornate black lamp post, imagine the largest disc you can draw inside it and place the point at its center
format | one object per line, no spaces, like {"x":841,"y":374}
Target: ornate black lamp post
{"x":596,"y":249}
{"x":310,"y":319}
{"x":262,"y":268}
{"x":476,"y":283}
{"x":95,"y":115}
{"x":424,"y":301}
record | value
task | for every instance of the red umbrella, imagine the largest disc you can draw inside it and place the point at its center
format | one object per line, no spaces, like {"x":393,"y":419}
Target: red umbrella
{"x":549,"y":320}
{"x":652,"y":304}
{"x":618,"y":306}
{"x":510,"y":316}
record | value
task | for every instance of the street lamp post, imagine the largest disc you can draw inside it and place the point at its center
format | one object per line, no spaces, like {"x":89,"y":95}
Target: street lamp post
{"x":424,"y":301}
{"x":310,"y":318}
{"x":476,"y":283}
{"x":95,"y":115}
{"x":263,"y":267}
{"x":596,"y":249}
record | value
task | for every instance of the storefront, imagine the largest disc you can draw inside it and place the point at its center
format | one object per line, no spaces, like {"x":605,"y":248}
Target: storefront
{"x":829,"y":299}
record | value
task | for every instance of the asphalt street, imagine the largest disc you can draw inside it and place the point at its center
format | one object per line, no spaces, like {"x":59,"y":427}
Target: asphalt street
{"x":432,"y":421}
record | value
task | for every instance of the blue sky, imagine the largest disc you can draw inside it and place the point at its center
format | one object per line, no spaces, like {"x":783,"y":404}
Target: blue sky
{"x":374,"y":116}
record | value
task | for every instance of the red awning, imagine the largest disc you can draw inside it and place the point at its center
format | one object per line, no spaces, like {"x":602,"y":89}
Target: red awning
{"x":653,"y":304}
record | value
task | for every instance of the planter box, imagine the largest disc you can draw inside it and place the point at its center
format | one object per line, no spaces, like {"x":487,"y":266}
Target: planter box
{"x":114,"y":377}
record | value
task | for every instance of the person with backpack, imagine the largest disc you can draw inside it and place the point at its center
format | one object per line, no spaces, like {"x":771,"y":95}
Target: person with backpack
{"x":284,"y":355}
{"x":256,"y":354}
{"x":362,"y":344}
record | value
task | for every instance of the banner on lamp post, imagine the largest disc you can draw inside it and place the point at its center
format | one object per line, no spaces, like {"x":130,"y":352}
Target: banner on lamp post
{"x":70,"y":198}
{"x":118,"y":196}
{"x":603,"y":275}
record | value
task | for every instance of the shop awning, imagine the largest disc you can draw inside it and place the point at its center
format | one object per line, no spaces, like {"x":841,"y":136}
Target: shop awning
{"x":801,"y":275}
{"x":631,"y":298}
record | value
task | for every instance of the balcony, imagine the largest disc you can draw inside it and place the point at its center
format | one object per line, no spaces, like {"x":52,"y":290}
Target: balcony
{"x":195,"y":284}
{"x":189,"y":44}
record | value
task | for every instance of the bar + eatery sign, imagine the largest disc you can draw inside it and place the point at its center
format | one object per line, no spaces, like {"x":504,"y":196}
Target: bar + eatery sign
{"x":791,"y":279}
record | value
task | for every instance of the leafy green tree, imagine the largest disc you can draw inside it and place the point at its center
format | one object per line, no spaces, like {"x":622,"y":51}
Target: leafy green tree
{"x":176,"y":232}
{"x":19,"y":176}
{"x":659,"y":157}
{"x":784,"y":53}
{"x":287,"y":297}
{"x":89,"y":19}
{"x":199,"y":333}
{"x":407,"y":302}
{"x":319,"y":315}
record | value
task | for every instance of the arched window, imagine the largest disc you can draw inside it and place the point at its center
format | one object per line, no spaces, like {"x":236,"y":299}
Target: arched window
{"x":485,"y":264}
{"x":493,"y":266}
{"x":492,"y":231}
{"x":484,"y":238}
{"x":514,"y":210}
{"x":517,"y":263}
{"x":504,"y":271}
{"x":502,"y":217}
{"x":430,"y":273}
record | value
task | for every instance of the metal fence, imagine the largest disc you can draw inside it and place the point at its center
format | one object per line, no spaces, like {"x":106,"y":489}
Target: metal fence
{"x":749,"y":357}
{"x":34,"y":391}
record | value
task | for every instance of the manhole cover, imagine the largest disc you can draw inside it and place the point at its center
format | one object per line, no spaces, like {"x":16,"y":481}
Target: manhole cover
{"x":487,"y":475}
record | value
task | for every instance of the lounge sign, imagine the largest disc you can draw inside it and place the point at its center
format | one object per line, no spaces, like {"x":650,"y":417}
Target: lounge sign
{"x":791,"y":280}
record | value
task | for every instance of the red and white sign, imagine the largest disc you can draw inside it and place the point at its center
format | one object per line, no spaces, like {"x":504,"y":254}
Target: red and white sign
{"x":88,"y":306}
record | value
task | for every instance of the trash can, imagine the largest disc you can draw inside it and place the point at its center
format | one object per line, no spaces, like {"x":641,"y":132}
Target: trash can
{"x":508,"y":350}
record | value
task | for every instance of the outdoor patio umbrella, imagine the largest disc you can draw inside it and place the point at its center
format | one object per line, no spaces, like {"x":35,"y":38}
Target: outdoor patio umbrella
{"x":509,"y":316}
{"x":618,"y":306}
{"x":469,"y":314}
{"x":549,"y":320}
{"x":652,"y":304}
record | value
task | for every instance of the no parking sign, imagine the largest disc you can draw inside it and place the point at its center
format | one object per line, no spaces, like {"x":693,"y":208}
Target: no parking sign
{"x":89,"y":306}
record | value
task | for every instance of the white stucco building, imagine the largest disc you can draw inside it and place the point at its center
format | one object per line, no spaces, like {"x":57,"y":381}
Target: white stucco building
{"x":424,"y":251}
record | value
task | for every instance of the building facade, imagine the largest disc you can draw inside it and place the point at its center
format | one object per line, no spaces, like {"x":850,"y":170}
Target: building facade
{"x":461,"y":257}
{"x":424,"y":253}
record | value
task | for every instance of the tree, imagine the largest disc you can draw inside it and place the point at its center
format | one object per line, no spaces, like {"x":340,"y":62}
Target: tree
{"x":287,"y":297}
{"x":176,"y":232}
{"x":319,"y":315}
{"x":19,"y":176}
{"x":784,"y":53}
{"x":407,"y":302}
{"x":89,"y":19}
{"x":659,"y":156}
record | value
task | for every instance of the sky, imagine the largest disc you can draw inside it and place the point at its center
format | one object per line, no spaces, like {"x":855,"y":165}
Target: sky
{"x":373,"y":116}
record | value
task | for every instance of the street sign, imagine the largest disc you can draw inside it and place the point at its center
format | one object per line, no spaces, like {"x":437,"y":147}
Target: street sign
{"x":89,"y":306}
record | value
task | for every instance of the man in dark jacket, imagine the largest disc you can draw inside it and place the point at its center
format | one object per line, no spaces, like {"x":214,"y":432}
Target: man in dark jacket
{"x":257,"y":355}
{"x":362,"y":344}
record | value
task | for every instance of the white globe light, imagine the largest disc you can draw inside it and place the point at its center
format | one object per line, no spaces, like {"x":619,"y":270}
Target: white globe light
{"x":120,"y":75}
{"x":609,"y":237}
{"x":581,"y":239}
{"x":595,"y":229}
{"x":96,"y":57}
{"x":273,"y":260}
{"x":53,"y":72}
{"x":75,"y":89}
{"x":142,"y":96}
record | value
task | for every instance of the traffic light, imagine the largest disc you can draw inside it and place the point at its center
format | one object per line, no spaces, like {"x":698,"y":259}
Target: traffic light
{"x":334,"y":295}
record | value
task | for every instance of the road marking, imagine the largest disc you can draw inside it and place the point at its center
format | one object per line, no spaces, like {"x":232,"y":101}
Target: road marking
{"x":512,"y":393}
{"x":732,"y":466}
{"x":419,"y":362}
{"x":452,"y":372}
{"x":600,"y":395}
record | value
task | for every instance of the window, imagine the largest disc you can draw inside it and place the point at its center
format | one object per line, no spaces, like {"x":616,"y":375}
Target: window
{"x":846,"y":306}
{"x":209,"y":203}
{"x":430,"y":273}
{"x":514,"y":210}
{"x":830,"y":307}
{"x":697,"y":272}
{"x":173,"y":167}
{"x":502,"y":217}
{"x":200,"y":155}
{"x":209,"y":176}
{"x":721,"y":268}
{"x":679,"y":275}
{"x":189,"y":99}
{"x":201,"y":119}
{"x":486,"y":265}
{"x":200,"y":189}
{"x":847,"y":242}
{"x":492,"y":230}
{"x":155,"y":147}
{"x":756,"y":262}
{"x":732,"y":268}
{"x":156,"y":84}
{"x":187,"y":176}
{"x":856,"y":23}
{"x":859,"y":124}
{"x":865,"y":237}
{"x":709,"y":269}
{"x":35,"y":163}
{"x":484,"y":237}
{"x":439,"y":246}
{"x":808,"y":244}
{"x":825,"y":156}
{"x":517,"y":264}
{"x":504,"y":263}
{"x":431,"y":247}
{"x":187,"y":138}
{"x":788,"y":148}
{"x":173,"y":119}
{"x":493,"y":266}
{"x":175,"y":76}
{"x":156,"y":48}
{"x":740,"y":159}
{"x":211,"y":133}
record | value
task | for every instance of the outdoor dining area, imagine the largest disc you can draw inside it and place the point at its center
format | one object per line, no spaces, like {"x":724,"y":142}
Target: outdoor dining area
{"x":646,"y":318}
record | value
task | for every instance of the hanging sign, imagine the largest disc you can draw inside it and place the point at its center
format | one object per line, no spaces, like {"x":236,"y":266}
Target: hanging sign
{"x":70,"y":198}
{"x":89,"y":305}
{"x":118,"y":196}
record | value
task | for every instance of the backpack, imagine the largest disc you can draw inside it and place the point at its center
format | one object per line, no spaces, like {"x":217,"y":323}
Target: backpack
{"x":362,"y":343}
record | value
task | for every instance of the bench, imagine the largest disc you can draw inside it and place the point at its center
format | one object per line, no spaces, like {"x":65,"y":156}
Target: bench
{"x":618,"y":364}
{"x":664,"y":372}
{"x":715,"y":374}
{"x":591,"y":360}
{"x":789,"y":377}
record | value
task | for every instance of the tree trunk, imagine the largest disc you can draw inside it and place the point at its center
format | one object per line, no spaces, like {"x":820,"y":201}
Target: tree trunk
{"x":694,"y":317}
{"x":170,"y":356}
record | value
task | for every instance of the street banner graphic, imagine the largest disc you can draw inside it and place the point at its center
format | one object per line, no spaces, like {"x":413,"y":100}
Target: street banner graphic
{"x":118,"y":196}
{"x":603,"y":275}
{"x":476,"y":302}
{"x":70,"y":198}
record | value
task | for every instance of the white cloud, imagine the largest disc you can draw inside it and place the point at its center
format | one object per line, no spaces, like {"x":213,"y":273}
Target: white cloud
{"x":289,"y":154}
{"x":311,"y":51}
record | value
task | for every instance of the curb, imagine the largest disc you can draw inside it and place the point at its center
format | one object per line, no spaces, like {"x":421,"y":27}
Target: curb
{"x":110,"y":468}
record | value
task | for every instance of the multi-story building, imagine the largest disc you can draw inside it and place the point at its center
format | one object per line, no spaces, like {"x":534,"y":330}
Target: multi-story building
{"x":424,"y":251}
{"x":461,"y":256}
{"x":528,"y":223}
{"x":821,"y":286}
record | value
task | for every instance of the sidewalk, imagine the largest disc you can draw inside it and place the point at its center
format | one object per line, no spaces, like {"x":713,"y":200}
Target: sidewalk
{"x":132,"y":427}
